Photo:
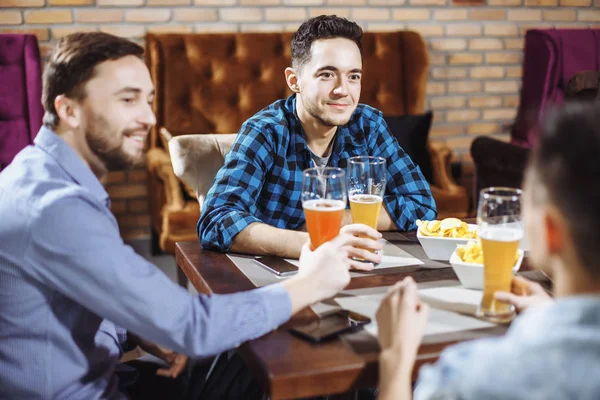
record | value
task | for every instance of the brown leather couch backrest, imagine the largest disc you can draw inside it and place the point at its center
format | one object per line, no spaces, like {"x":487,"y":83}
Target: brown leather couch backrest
{"x":212,"y":83}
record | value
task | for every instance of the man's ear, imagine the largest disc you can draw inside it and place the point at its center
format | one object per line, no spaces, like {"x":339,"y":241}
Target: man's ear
{"x":555,"y":229}
{"x":68,"y":111}
{"x":291,"y":77}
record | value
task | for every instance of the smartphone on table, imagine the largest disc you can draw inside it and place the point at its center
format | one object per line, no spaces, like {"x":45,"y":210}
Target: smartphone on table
{"x":331,"y":325}
{"x":276,"y":265}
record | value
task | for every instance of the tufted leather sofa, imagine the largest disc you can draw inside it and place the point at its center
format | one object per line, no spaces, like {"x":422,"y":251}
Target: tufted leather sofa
{"x":211,"y":83}
{"x":21,"y":109}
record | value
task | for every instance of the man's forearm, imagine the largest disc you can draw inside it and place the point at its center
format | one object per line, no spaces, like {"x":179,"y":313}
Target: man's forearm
{"x":260,"y":239}
{"x":395,"y":374}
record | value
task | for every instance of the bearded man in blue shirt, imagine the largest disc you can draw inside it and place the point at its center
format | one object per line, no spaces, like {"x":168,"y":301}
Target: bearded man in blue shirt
{"x":73,"y":296}
{"x":254,"y":205}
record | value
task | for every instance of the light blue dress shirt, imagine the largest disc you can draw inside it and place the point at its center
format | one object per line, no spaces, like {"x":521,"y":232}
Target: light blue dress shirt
{"x":68,"y":284}
{"x":550,"y":352}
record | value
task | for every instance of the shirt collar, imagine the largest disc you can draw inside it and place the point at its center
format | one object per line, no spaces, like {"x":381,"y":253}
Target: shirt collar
{"x":70,"y":162}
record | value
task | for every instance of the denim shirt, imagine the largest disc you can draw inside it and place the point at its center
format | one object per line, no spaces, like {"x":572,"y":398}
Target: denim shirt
{"x":70,"y":288}
{"x":549,"y":352}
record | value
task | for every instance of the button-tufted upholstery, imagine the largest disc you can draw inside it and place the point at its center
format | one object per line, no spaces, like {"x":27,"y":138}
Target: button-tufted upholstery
{"x":212,"y":83}
{"x":20,"y":94}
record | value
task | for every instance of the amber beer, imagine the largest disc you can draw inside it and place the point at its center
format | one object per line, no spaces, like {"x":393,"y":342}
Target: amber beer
{"x":323,"y":219}
{"x":499,"y":247}
{"x":365,"y":209}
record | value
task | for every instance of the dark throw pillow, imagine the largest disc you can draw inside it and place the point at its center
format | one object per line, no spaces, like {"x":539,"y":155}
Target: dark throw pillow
{"x":412,"y":133}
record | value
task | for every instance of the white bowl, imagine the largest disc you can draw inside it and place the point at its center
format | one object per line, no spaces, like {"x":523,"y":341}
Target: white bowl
{"x":441,"y":248}
{"x":470,"y":275}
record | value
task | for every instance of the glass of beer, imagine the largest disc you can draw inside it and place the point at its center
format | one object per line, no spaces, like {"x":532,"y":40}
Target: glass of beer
{"x":500,"y":231}
{"x":366,"y":186}
{"x":324,"y":202}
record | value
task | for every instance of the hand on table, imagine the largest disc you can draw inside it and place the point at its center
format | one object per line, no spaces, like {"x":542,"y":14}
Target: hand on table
{"x":401,"y":319}
{"x":524,"y":294}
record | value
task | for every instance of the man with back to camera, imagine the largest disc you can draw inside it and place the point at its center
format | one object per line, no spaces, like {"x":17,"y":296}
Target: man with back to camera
{"x":255,"y":205}
{"x":552,"y":350}
{"x":73,"y":296}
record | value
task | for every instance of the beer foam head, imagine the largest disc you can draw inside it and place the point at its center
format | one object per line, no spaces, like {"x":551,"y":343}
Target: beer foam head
{"x":366,"y":198}
{"x":324,"y":205}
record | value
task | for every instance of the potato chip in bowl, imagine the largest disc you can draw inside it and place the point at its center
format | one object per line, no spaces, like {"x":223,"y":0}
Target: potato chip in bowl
{"x":440,"y":238}
{"x":448,"y":228}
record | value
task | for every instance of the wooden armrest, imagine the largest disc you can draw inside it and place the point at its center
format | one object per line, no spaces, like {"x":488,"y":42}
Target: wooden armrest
{"x":441,"y":156}
{"x":159,"y":165}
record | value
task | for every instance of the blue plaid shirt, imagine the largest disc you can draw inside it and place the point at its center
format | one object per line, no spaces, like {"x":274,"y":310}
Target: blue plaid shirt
{"x":261,"y":180}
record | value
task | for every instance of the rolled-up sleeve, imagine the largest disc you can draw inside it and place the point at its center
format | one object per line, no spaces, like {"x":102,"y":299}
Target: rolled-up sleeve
{"x":230,"y":203}
{"x":75,"y":248}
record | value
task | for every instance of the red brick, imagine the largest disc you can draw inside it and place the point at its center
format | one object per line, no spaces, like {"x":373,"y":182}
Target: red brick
{"x":127,"y":191}
{"x":485,"y":44}
{"x":450,"y":15}
{"x":445,"y":131}
{"x":463,"y":30}
{"x":408,"y":14}
{"x":464,"y":87}
{"x":487,"y":72}
{"x":99,"y":16}
{"x":485,"y":101}
{"x":195,"y":14}
{"x":503,"y":58}
{"x":42,"y":34}
{"x":370,"y":14}
{"x":486,"y":128}
{"x":465,"y":58}
{"x":118,"y":207}
{"x":576,"y":3}
{"x":137,"y":206}
{"x":463,"y":115}
{"x":340,"y":12}
{"x":48,"y":17}
{"x":511,"y":101}
{"x":488,"y":15}
{"x":10,"y":18}
{"x":23,"y":3}
{"x":560,"y":15}
{"x":502,"y":114}
{"x":542,"y":3}
{"x":114,"y":177}
{"x":501,"y":87}
{"x":448,"y":73}
{"x":448,"y":44}
{"x":436,"y":88}
{"x":448,"y":102}
{"x":427,"y":30}
{"x":501,"y":30}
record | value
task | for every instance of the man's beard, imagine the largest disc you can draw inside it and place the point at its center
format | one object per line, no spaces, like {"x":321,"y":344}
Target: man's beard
{"x":312,"y":110}
{"x":109,"y":150}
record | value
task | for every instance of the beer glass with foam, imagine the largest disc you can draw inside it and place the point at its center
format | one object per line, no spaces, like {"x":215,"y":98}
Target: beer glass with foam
{"x":500,"y":231}
{"x":324,"y":202}
{"x":366,"y":186}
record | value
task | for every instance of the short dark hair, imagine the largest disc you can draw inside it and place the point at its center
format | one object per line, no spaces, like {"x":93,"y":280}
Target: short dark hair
{"x":566,"y":162}
{"x":322,"y":27}
{"x":72,"y":64}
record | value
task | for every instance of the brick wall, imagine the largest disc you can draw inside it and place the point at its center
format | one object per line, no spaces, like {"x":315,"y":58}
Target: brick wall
{"x":475,"y":51}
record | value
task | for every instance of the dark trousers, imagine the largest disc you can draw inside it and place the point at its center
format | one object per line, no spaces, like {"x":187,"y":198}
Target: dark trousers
{"x":222,"y":377}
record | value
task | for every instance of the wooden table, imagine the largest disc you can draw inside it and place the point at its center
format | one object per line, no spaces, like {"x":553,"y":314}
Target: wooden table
{"x":290,"y":367}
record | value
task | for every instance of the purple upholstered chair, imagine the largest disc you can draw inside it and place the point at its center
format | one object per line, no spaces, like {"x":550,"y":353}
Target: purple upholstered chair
{"x":558,"y":63}
{"x":552,"y":57}
{"x":21,"y":109}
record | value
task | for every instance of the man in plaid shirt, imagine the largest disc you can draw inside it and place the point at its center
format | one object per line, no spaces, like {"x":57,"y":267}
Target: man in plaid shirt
{"x":255,"y":203}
